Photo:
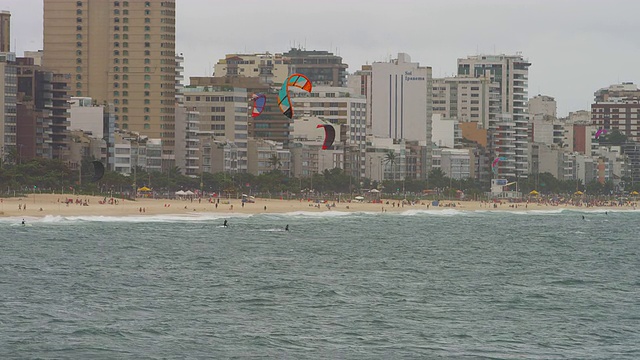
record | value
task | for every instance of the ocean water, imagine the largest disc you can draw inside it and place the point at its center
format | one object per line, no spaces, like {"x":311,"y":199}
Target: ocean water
{"x":417,"y":284}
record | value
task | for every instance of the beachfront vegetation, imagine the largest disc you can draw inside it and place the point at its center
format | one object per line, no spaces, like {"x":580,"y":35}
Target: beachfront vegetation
{"x":43,"y":175}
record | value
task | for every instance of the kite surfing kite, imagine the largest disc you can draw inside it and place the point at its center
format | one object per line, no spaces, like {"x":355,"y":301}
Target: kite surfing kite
{"x":295,"y":80}
{"x":601,"y":132}
{"x":494,"y":164}
{"x":259,"y":100}
{"x":329,"y":135}
{"x":98,"y":171}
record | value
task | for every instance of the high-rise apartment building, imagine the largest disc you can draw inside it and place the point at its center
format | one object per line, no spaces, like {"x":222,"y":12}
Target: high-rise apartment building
{"x":618,"y":108}
{"x":510,"y":74}
{"x":321,"y":67}
{"x":8,"y":113}
{"x":5,"y":31}
{"x":122,"y":53}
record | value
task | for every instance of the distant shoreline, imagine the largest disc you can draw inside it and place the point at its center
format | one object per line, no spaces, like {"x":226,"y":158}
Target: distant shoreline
{"x":54,"y":205}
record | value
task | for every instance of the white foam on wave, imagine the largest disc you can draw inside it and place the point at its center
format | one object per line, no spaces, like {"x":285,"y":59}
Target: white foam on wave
{"x":439,"y":212}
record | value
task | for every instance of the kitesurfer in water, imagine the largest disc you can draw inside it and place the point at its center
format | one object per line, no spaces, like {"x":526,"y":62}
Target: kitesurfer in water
{"x":23,"y":224}
{"x":286,"y":228}
{"x":225,"y":223}
{"x":582,"y":217}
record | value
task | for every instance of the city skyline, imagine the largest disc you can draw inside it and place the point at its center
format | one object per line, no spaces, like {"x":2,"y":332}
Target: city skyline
{"x":561,"y":39}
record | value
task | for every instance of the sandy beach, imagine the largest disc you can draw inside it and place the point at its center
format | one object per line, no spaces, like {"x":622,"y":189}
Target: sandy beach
{"x":42,"y":205}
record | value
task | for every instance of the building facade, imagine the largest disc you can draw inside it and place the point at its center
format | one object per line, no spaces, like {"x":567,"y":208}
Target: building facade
{"x":122,"y":53}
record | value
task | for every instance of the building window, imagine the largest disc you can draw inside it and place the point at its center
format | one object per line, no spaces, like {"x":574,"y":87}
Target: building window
{"x":125,"y":20}
{"x":78,"y":68}
{"x":147,"y":61}
{"x":116,"y":77}
{"x":125,"y":3}
{"x":147,"y":53}
{"x":79,"y":12}
{"x":147,"y":3}
{"x":147,"y":28}
{"x":125,"y":77}
{"x":125,"y":44}
{"x":116,"y":93}
{"x":125,"y":69}
{"x":78,"y":77}
{"x":78,"y":61}
{"x":125,"y":126}
{"x":79,"y":85}
{"x":79,"y":44}
{"x":147,"y":44}
{"x":125,"y":93}
{"x":147,"y":118}
{"x":116,"y":61}
{"x":125,"y":85}
{"x":147,"y":12}
{"x":125,"y":61}
{"x":116,"y":44}
{"x":147,"y":86}
{"x":125,"y":109}
{"x":146,"y":110}
{"x":78,"y":20}
{"x":125,"y":102}
{"x":116,"y":52}
{"x":116,"y":20}
{"x":116,"y":109}
{"x":125,"y":12}
{"x":125,"y":117}
{"x":146,"y":93}
{"x":125,"y":52}
{"x":147,"y":78}
{"x":116,"y":85}
{"x":147,"y":37}
{"x":116,"y":69}
{"x":147,"y":20}
{"x":78,"y":3}
{"x":116,"y":12}
{"x":116,"y":101}
{"x":147,"y":126}
{"x":116,"y":28}
{"x":147,"y":69}
{"x":147,"y":101}
{"x":78,"y":93}
{"x":79,"y":28}
{"x":116,"y":3}
{"x":125,"y":37}
{"x":125,"y":28}
{"x":116,"y":36}
{"x":78,"y":52}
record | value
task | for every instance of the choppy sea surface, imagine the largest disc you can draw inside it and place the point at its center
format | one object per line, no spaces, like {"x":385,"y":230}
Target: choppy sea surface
{"x":417,"y":284}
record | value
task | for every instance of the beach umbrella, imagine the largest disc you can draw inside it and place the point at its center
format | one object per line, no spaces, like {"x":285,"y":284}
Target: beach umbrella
{"x":144,"y":188}
{"x":578,"y":193}
{"x":180,"y":192}
{"x":533,"y":192}
{"x":359,"y":197}
{"x":188,"y":192}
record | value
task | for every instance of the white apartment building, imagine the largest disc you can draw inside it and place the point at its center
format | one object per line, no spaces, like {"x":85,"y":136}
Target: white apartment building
{"x":511,"y":74}
{"x":223,"y":115}
{"x":188,"y":156}
{"x":455,"y":163}
{"x":466,"y":98}
{"x":86,"y":116}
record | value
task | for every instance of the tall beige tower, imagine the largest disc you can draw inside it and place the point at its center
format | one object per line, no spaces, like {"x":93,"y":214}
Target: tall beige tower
{"x":5,"y":31}
{"x":121,"y":52}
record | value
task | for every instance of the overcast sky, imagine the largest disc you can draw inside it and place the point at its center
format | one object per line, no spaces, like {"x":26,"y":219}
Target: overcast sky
{"x":575,"y":46}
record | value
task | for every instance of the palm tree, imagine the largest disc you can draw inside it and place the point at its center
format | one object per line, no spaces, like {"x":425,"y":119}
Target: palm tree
{"x":274,"y":161}
{"x":391,"y":160}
